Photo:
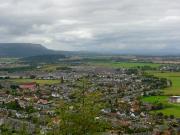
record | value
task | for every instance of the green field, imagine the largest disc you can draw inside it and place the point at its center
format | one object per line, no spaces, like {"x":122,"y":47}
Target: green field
{"x":156,"y":99}
{"x":52,"y":67}
{"x":169,"y":108}
{"x":123,"y":64}
{"x":41,"y":82}
{"x":174,"y":77}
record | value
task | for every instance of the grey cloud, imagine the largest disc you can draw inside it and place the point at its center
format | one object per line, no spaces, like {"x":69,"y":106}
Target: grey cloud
{"x":109,"y":25}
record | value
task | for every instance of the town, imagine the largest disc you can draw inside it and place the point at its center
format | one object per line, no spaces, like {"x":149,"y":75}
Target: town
{"x":35,"y":100}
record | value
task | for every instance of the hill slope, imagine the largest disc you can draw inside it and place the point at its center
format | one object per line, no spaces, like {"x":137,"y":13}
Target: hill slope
{"x":23,"y":50}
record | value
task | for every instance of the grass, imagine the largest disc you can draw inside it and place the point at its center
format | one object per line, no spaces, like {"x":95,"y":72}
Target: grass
{"x":49,"y":67}
{"x":41,"y":82}
{"x":52,"y":67}
{"x":174,"y":77}
{"x":174,"y":110}
{"x":156,"y":99}
{"x":123,"y":64}
{"x":169,"y":108}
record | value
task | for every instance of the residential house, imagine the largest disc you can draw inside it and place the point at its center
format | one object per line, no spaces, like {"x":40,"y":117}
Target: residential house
{"x":30,"y":86}
{"x":174,"y":99}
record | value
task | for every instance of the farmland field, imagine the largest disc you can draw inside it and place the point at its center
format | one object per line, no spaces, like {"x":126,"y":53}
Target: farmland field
{"x":41,"y":82}
{"x":124,"y":64}
{"x":174,"y":77}
{"x":169,"y":108}
{"x":52,"y":67}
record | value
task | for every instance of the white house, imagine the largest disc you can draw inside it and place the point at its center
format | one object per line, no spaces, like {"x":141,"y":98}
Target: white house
{"x":174,"y":99}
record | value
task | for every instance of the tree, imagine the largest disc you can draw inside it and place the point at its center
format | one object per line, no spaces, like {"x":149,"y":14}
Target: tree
{"x":62,"y":80}
{"x":14,"y":87}
{"x":23,"y":130}
{"x":171,"y":116}
{"x":5,"y":129}
{"x":1,"y":86}
{"x":32,"y":76}
{"x":82,"y":115}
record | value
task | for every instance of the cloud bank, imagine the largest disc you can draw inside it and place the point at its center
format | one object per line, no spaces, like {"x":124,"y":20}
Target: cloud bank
{"x":92,"y":25}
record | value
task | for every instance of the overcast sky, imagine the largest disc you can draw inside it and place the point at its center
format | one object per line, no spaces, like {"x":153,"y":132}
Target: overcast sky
{"x":93,"y":25}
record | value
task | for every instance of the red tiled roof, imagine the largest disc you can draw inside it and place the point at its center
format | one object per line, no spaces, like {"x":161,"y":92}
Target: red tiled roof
{"x":28,"y":85}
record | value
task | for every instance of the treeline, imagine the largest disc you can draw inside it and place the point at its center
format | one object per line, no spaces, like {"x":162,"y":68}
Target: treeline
{"x":43,"y":59}
{"x":16,"y":69}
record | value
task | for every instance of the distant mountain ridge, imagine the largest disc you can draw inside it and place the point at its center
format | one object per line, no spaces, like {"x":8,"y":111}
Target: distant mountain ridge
{"x":23,"y":50}
{"x":28,"y":50}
